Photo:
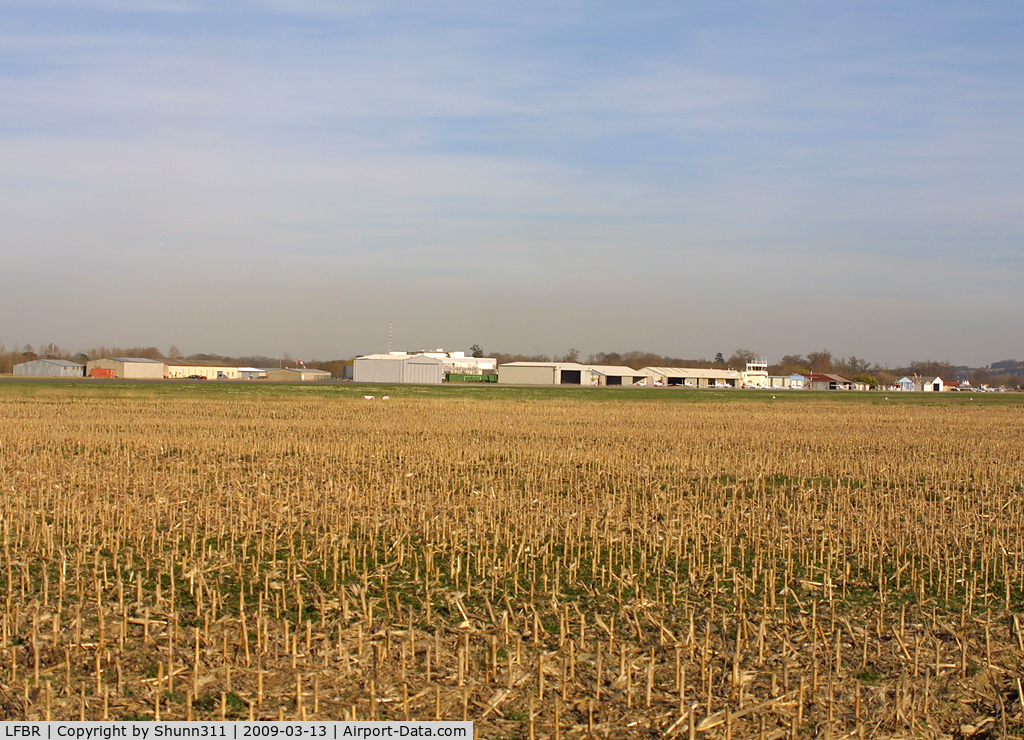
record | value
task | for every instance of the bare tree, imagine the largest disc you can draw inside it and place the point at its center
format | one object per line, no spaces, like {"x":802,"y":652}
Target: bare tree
{"x":741,"y":357}
{"x":605,"y":358}
{"x":980,"y":376}
{"x":852,"y":365}
{"x":933,"y":368}
{"x":820,"y":362}
{"x":54,"y":352}
{"x":790,"y":364}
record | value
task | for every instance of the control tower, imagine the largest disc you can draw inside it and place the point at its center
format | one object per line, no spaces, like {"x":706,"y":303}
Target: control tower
{"x":756,"y":374}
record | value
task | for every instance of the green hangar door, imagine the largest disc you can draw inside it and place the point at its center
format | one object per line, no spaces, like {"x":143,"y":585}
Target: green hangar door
{"x":571,"y":377}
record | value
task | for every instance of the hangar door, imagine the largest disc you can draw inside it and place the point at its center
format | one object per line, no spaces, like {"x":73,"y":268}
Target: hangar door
{"x":571,"y":377}
{"x":377,"y":370}
{"x":422,"y":372}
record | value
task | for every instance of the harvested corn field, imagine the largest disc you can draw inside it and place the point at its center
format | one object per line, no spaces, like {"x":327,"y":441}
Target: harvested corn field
{"x":546,"y":569}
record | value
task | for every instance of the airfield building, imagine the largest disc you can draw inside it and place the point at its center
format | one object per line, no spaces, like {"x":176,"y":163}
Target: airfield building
{"x":49,"y":368}
{"x":208,"y":369}
{"x":542,"y":373}
{"x":615,"y":375}
{"x":134,"y":368}
{"x":297,"y":374}
{"x":828,"y":382}
{"x":694,"y":377}
{"x":461,"y":364}
{"x":756,"y":374}
{"x":567,"y":373}
{"x":398,"y":367}
{"x":921,"y":385}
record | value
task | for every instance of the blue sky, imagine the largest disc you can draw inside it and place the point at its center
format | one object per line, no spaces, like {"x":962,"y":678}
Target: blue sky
{"x":268,"y":177}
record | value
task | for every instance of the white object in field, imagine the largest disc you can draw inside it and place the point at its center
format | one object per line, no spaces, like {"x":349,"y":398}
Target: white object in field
{"x":368,"y":398}
{"x":385,"y":398}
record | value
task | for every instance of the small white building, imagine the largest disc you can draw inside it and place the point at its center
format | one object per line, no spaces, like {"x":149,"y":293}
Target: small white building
{"x":133,"y":368}
{"x":398,"y":367}
{"x":920,"y":385}
{"x":50,"y":368}
{"x":251,"y":373}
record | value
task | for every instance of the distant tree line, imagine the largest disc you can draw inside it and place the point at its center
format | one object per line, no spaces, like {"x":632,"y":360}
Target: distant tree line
{"x":12,"y":357}
{"x":334,"y":367}
{"x":634,"y":359}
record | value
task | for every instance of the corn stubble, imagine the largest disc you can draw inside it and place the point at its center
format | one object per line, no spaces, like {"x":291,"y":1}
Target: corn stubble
{"x":550,"y":569}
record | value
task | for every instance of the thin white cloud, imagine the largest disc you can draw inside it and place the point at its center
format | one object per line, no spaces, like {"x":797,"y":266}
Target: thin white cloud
{"x":496,"y":152}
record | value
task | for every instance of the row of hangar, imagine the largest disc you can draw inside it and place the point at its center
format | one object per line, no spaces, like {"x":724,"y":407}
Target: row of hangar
{"x":140,"y":368}
{"x":420,"y":368}
{"x":429,"y":368}
{"x":574,"y":373}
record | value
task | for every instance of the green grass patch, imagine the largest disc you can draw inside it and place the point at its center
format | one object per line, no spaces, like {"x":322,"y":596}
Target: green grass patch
{"x":226,"y":390}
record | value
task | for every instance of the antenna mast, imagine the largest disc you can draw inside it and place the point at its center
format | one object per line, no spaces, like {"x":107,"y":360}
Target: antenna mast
{"x":389,"y":337}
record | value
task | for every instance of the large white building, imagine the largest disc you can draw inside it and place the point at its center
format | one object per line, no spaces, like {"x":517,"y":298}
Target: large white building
{"x":135,"y":368}
{"x":459,"y":363}
{"x":541,"y":373}
{"x":207,"y":369}
{"x":398,"y":367}
{"x":567,"y":373}
{"x":694,"y":377}
{"x":50,"y":368}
